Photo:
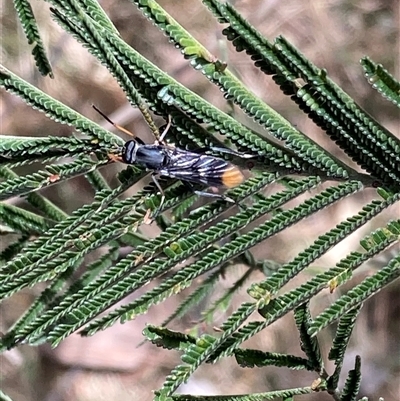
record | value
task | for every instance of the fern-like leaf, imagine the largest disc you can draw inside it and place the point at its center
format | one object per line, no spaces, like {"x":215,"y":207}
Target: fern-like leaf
{"x":381,"y":80}
{"x":28,"y":21}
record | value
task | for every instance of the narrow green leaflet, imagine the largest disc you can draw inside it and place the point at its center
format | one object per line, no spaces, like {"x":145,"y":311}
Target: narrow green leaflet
{"x":29,"y":25}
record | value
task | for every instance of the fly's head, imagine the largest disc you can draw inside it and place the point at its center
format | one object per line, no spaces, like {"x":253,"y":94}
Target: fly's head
{"x":129,"y":152}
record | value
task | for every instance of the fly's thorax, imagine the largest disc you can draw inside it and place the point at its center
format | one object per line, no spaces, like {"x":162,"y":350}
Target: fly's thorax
{"x":129,"y":151}
{"x":153,"y":157}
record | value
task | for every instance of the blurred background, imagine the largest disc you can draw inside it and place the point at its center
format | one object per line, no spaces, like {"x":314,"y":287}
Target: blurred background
{"x":333,"y":34}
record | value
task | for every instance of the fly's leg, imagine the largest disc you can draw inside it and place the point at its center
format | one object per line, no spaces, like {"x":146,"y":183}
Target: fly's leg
{"x":232,"y":152}
{"x":208,"y":194}
{"x":157,"y":211}
{"x":215,"y":196}
{"x":242,"y":206}
{"x":161,"y":139}
{"x":114,"y":157}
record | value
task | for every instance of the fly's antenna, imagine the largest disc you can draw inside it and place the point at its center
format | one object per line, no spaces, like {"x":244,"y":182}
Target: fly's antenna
{"x":113,"y":123}
{"x":149,"y":120}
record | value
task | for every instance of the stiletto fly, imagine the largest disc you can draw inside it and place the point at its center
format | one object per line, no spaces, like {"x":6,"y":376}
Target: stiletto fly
{"x":182,"y":164}
{"x":190,"y":167}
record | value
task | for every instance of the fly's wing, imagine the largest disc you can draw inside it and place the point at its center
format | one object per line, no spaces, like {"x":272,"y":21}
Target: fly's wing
{"x":203,"y":169}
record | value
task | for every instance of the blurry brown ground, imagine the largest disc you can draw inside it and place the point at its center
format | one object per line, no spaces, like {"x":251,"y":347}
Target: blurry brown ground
{"x":334,"y":34}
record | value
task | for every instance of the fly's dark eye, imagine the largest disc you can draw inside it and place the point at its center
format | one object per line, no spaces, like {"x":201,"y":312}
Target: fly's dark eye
{"x":129,"y":152}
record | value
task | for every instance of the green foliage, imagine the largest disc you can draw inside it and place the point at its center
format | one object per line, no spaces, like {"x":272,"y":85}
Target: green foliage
{"x":352,"y":385}
{"x":29,"y":25}
{"x":48,"y":246}
{"x":381,"y":80}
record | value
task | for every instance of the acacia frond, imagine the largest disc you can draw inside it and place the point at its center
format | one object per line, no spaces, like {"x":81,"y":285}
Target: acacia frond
{"x":292,"y":179}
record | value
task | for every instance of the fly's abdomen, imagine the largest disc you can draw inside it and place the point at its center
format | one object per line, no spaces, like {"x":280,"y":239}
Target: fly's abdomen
{"x":232,"y":177}
{"x":203,"y":169}
{"x":218,"y":172}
